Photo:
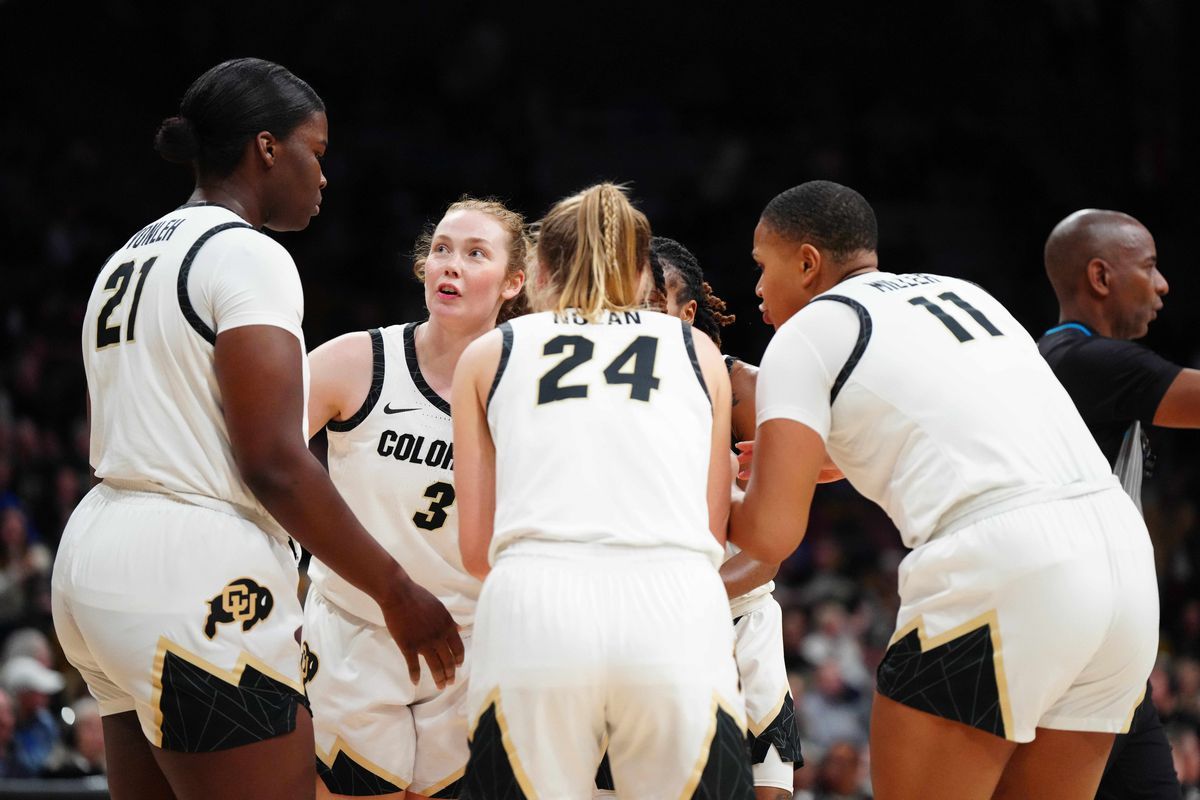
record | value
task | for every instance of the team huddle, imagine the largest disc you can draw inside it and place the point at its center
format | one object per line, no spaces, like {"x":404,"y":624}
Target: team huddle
{"x":543,"y":550}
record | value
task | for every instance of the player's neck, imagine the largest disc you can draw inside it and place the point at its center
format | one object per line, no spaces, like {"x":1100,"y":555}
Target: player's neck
{"x":439,"y":347}
{"x":228,"y":198}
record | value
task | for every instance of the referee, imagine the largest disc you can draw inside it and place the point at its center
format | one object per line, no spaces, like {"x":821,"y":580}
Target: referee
{"x":1104,"y":269}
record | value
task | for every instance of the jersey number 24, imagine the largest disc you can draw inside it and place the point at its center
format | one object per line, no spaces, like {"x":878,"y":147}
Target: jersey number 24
{"x":639,"y":374}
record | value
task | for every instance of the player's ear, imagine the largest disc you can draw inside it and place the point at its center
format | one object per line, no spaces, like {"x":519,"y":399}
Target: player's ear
{"x":264,"y":148}
{"x":810,"y":263}
{"x":688,"y":312}
{"x":1099,"y":276}
{"x":512,"y":285}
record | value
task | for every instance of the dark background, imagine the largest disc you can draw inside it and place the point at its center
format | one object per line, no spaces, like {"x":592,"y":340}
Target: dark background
{"x":972,"y":127}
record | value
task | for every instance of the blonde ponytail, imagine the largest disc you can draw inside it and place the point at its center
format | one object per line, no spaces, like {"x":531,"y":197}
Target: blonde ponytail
{"x":594,"y":248}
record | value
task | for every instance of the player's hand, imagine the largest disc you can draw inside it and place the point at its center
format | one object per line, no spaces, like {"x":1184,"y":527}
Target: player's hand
{"x":422,"y":626}
{"x":744,"y":457}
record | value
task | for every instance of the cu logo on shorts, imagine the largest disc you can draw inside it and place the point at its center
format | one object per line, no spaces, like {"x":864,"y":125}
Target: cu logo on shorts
{"x":309,"y":663}
{"x":241,"y":601}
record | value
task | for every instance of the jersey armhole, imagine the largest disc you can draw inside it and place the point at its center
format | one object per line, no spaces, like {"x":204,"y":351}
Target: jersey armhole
{"x":506,"y":340}
{"x":378,"y":368}
{"x":860,"y":346}
{"x":181,"y":287}
{"x":690,"y":344}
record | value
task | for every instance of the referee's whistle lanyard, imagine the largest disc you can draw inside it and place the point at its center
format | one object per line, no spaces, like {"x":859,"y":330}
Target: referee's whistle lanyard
{"x":1079,"y":326}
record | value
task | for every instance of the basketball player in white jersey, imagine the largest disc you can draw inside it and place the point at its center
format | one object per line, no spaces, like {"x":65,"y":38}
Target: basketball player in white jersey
{"x":382,"y":396}
{"x":757,"y":617}
{"x":1029,"y":606}
{"x":593,"y":475}
{"x":174,"y":591}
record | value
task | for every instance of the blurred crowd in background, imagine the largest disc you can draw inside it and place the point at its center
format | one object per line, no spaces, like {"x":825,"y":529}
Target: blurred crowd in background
{"x":970,"y":146}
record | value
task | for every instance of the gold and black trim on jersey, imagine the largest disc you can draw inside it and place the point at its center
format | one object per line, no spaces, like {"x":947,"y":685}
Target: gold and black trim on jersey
{"x":414,"y":370}
{"x":201,"y":708}
{"x":506,"y":342}
{"x":865,"y":327}
{"x":958,"y":675}
{"x":378,"y":370}
{"x":690,"y":345}
{"x":185,"y":301}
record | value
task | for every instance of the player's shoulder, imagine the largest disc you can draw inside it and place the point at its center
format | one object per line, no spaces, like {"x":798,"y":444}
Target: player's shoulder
{"x":248,"y":241}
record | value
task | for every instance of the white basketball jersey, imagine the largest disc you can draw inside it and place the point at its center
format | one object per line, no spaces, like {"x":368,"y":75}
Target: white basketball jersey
{"x":393,"y":462}
{"x":603,"y":433}
{"x":932,"y":400}
{"x":148,"y":335}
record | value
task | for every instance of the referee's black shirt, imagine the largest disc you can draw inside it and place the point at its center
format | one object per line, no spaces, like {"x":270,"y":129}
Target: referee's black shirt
{"x":1113,"y":382}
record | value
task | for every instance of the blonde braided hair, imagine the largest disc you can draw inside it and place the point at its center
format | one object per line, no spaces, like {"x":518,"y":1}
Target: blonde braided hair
{"x":594,"y":247}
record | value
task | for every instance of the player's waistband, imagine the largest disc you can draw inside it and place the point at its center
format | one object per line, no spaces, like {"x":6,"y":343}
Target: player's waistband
{"x":1033,"y":497}
{"x":554,"y":548}
{"x":130,"y":491}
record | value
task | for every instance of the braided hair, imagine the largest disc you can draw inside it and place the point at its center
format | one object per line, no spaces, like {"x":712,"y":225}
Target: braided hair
{"x":593,"y":247}
{"x":668,"y":255}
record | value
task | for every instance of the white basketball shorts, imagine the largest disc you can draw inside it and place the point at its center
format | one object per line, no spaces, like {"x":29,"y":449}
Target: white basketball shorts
{"x":186,"y":615}
{"x":376,"y":732}
{"x":1043,"y":616}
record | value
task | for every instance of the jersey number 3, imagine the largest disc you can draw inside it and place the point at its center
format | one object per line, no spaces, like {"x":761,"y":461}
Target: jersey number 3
{"x":442,"y":495}
{"x":118,"y":284}
{"x":639,"y":375}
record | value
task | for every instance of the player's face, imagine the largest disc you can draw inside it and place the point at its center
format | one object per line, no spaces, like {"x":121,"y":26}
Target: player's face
{"x":298,"y":178}
{"x":1136,"y":284}
{"x":466,"y":272}
{"x":674,"y":283}
{"x":779,"y":280}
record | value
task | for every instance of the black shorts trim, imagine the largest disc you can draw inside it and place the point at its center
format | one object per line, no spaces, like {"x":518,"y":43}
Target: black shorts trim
{"x":780,"y":732}
{"x":414,"y":370}
{"x":181,"y":286}
{"x":955,"y":680}
{"x":864,"y":337}
{"x":726,"y":774}
{"x":490,"y":774}
{"x":202,"y":711}
{"x":506,"y":334}
{"x":378,"y":370}
{"x":346,"y":776}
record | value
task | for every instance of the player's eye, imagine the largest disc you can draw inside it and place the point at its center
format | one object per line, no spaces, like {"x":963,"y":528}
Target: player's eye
{"x":477,"y":253}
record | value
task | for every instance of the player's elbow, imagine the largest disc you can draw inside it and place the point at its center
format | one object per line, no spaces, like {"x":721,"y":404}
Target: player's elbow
{"x":475,"y":562}
{"x":474,"y":551}
{"x":270,"y":471}
{"x":764,"y":548}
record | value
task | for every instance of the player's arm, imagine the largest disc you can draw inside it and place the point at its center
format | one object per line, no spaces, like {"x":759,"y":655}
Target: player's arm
{"x":743,"y":573}
{"x":720,"y":473}
{"x":1180,"y":406}
{"x":340,"y":373}
{"x":770,"y":519}
{"x":258,"y":369}
{"x":743,"y":383}
{"x":475,"y":451}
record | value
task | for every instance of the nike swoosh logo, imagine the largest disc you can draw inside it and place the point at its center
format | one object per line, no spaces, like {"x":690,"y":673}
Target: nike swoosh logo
{"x":387,"y":409}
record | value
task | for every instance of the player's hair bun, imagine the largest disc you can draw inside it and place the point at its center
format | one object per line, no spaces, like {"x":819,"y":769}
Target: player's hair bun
{"x":176,"y":140}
